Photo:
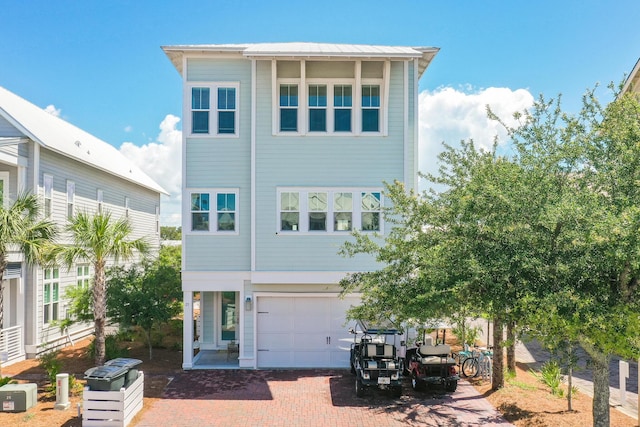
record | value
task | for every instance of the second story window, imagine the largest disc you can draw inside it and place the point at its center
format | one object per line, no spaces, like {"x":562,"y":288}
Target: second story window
{"x":342,"y":104}
{"x":370,"y":108}
{"x":126,"y":207}
{"x":343,"y":211}
{"x":48,"y":195}
{"x":317,"y":211}
{"x":100,"y":200}
{"x":371,"y":206}
{"x":290,"y":211}
{"x":226,"y":110}
{"x":214,"y":109}
{"x":222,"y":218}
{"x":71,"y":194}
{"x":288,"y":108}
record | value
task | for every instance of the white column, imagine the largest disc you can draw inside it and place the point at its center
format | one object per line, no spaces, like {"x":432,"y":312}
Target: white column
{"x":187,"y":335}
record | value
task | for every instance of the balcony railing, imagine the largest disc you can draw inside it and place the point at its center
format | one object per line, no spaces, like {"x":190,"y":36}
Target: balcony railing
{"x":11,"y":345}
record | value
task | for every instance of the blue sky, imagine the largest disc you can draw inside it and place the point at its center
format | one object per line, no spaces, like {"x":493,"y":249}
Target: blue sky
{"x":99,"y":65}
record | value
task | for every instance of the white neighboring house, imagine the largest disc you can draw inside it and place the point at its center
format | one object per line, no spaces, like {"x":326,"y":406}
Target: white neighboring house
{"x":285,"y":150}
{"x":632,"y":84}
{"x":70,"y":171}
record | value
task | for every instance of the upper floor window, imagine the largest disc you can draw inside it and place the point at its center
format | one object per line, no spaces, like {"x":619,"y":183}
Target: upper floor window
{"x":51,"y":296}
{"x":71,"y":194}
{"x":225,"y":214}
{"x":370,"y":108}
{"x":329,"y":210}
{"x":317,"y":108}
{"x":342,"y":104}
{"x":100,"y":200}
{"x":83,"y":276}
{"x":214,"y":109}
{"x":288,"y":108}
{"x":48,"y":194}
{"x":126,"y":207}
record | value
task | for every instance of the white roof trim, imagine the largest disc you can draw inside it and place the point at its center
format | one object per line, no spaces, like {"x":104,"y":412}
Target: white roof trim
{"x":60,"y":136}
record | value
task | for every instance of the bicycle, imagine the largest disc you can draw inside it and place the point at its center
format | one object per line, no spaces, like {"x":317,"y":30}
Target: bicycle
{"x":478,"y":363}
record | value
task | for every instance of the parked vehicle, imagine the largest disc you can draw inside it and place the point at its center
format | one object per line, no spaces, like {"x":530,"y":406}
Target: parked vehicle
{"x":432,"y":365}
{"x":374,"y":359}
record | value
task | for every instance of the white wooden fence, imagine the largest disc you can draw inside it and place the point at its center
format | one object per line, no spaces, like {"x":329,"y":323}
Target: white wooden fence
{"x":112,"y":408}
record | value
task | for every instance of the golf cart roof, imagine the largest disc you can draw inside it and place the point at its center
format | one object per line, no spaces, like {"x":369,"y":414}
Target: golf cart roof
{"x":386,"y":328}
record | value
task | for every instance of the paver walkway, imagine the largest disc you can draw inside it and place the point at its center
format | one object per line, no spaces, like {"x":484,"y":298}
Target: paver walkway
{"x":308,"y":398}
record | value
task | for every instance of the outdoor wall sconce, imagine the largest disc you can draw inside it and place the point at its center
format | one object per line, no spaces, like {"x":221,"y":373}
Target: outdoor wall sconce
{"x":248,"y":304}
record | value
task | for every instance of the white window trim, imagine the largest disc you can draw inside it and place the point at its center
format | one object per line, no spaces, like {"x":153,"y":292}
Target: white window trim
{"x":71,"y":197}
{"x":127,"y":203}
{"x":84,"y":277}
{"x":356,"y":217}
{"x":4,"y":177}
{"x":303,"y":107}
{"x":213,"y":211}
{"x":99,"y":200}
{"x":213,"y":109}
{"x":49,"y":305}
{"x":45,"y":178}
{"x":330,"y":108}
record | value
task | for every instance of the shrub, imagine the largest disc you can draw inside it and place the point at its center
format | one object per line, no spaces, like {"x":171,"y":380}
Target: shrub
{"x":7,"y":380}
{"x":551,"y":375}
{"x":50,"y":363}
{"x":112,"y":348}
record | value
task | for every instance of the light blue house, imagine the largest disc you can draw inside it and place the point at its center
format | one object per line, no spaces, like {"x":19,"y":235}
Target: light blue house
{"x":285,"y":150}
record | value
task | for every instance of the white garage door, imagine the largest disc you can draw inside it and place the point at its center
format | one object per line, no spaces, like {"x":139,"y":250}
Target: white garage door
{"x":303,"y":332}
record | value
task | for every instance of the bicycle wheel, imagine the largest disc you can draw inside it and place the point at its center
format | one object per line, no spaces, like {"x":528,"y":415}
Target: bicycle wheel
{"x":470,"y":367}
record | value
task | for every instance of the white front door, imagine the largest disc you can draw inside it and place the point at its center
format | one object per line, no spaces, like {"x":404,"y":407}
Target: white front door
{"x":303,"y":332}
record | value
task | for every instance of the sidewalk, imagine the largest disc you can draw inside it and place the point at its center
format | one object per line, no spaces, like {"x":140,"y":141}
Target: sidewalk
{"x":532,"y":354}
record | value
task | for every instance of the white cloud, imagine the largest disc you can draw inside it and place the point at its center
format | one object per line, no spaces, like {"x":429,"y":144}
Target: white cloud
{"x":450,"y":115}
{"x":128,"y":128}
{"x":51,"y":109}
{"x":162,"y":161}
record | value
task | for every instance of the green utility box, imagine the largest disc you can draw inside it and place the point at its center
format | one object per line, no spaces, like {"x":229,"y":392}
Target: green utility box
{"x":18,"y":397}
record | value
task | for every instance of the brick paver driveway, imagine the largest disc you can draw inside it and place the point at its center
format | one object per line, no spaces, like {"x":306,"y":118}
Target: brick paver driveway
{"x":307,"y":398}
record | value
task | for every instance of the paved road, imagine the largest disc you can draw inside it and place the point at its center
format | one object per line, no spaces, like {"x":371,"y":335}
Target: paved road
{"x":310,"y":398}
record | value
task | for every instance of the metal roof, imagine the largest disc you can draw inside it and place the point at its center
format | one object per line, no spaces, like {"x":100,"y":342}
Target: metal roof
{"x":305,"y":50}
{"x":60,"y":136}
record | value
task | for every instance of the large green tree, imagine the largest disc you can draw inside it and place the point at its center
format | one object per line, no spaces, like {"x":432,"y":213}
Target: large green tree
{"x":21,"y":228}
{"x":99,"y":239}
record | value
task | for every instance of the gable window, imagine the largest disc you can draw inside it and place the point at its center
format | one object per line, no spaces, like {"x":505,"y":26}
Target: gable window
{"x":82,"y":275}
{"x":214,"y":109}
{"x":71,"y":194}
{"x":370,"y":108}
{"x":317,"y":108}
{"x":290,"y":211}
{"x":226,"y":110}
{"x":224,"y":217}
{"x":317,"y":211}
{"x":48,"y":194}
{"x":342,"y":104}
{"x":226,"y":210}
{"x":288,"y":108}
{"x":200,"y":110}
{"x":51,"y":295}
{"x":343,"y":211}
{"x":371,"y":206}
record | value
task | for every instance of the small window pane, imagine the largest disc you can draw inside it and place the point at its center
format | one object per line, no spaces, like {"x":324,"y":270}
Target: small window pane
{"x":200,"y":201}
{"x":343,"y":202}
{"x":226,"y":221}
{"x":342,"y":119}
{"x":317,"y":221}
{"x":370,"y":122}
{"x":317,"y":120}
{"x":317,"y":201}
{"x":288,"y":120}
{"x":226,"y":98}
{"x":200,"y":98}
{"x":226,"y":122}
{"x":290,"y":202}
{"x":371,"y":201}
{"x":200,"y":221}
{"x":47,"y":293}
{"x":342,"y":221}
{"x":200,"y":122}
{"x":290,"y":221}
{"x":371,"y":221}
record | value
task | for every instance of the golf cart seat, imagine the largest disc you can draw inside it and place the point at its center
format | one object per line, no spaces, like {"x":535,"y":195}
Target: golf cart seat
{"x":380,"y":351}
{"x":429,"y":354}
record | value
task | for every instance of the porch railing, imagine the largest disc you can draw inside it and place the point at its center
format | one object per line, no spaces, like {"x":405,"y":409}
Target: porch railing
{"x":11,"y":345}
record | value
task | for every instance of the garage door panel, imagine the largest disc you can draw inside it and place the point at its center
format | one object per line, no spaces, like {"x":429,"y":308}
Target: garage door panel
{"x":310,"y":341}
{"x":272,"y":341}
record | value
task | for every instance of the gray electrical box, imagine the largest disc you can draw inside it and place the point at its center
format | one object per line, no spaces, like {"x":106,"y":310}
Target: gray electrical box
{"x":18,"y":397}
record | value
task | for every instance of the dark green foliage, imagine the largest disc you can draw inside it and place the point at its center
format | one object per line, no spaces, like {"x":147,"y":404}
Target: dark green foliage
{"x":113,"y":350}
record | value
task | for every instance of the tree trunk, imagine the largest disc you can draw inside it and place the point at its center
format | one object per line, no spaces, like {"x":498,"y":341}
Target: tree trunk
{"x":600,"y":364}
{"x":511,"y":347}
{"x":570,"y":387}
{"x":147,"y":336}
{"x":99,"y":311}
{"x":498,"y":354}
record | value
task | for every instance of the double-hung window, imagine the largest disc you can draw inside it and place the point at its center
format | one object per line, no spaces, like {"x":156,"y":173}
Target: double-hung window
{"x":317,"y":211}
{"x":317,"y":108}
{"x":223,"y":217}
{"x":100,"y":199}
{"x":342,"y":211}
{"x":71,"y":194}
{"x":214,"y":109}
{"x":370,"y":108}
{"x":82,"y":275}
{"x":48,"y":195}
{"x":370,"y":216}
{"x":288,"y":108}
{"x":51,"y":295}
{"x":342,"y":105}
{"x":290,"y":211}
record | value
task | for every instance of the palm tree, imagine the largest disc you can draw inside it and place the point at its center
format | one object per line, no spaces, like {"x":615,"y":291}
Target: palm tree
{"x":97,"y":239}
{"x":21,"y":229}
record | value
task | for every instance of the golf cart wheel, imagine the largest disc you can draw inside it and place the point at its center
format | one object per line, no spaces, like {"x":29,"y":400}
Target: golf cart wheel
{"x":416,"y":384}
{"x":396,"y":392}
{"x":359,"y":388}
{"x":451,"y":386}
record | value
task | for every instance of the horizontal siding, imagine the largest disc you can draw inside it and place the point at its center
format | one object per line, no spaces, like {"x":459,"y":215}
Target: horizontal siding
{"x":207,"y":70}
{"x":7,"y":129}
